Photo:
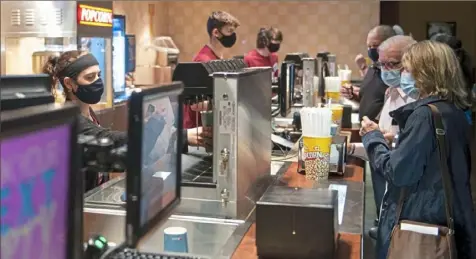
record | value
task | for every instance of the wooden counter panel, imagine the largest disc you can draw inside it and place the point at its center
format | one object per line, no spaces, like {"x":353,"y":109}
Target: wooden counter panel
{"x":349,"y":245}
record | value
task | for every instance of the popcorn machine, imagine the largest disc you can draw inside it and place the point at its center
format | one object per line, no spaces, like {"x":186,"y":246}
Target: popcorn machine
{"x":31,"y":31}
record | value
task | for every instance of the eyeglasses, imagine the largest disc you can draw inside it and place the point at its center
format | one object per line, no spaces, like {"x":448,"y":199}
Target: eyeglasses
{"x":389,"y":65}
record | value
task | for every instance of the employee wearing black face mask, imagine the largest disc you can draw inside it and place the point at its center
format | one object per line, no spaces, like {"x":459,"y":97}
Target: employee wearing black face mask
{"x":221,"y":28}
{"x":79,"y":74}
{"x":371,"y":93}
{"x":268,"y":43}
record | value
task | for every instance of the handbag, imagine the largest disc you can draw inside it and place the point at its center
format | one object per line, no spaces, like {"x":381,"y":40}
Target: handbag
{"x":427,"y":241}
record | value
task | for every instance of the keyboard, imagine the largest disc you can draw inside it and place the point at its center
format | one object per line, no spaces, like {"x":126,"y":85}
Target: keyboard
{"x":133,"y":254}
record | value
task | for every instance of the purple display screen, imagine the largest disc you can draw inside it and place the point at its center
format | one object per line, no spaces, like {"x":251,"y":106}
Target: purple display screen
{"x":34,"y":194}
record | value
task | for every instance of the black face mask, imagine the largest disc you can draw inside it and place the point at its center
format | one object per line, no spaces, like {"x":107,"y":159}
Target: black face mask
{"x":90,"y":94}
{"x":228,"y":41}
{"x":274,"y":47}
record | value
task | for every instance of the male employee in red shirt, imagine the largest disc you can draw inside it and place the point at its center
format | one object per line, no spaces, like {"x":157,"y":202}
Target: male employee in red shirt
{"x":221,"y":28}
{"x":268,"y":43}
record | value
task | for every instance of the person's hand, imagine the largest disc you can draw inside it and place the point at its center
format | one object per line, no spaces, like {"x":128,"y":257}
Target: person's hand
{"x":360,"y":61}
{"x":367,"y":126}
{"x":350,"y":148}
{"x":201,"y":136}
{"x":346,"y":91}
{"x":356,"y":92}
{"x":389,"y":137}
{"x":350,"y":91}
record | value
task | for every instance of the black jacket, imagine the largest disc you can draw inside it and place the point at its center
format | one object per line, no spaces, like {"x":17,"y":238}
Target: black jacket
{"x":414,"y":165}
{"x":90,"y":128}
{"x":372,"y":94}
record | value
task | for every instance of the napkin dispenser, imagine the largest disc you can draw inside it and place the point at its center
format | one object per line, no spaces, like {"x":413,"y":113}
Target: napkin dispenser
{"x":338,"y":155}
{"x":297,"y":223}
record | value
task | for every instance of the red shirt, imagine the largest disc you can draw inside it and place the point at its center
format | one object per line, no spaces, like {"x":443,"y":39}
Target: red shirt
{"x":190,"y":117}
{"x":255,"y":59}
{"x":205,"y":54}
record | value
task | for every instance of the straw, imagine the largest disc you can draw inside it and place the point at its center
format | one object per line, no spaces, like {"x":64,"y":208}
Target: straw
{"x":316,"y":122}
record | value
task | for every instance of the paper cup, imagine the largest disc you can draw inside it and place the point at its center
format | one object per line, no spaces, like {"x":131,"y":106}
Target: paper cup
{"x":333,"y":84}
{"x":334,"y":129}
{"x":207,"y":118}
{"x":316,"y":157}
{"x":337,"y":111}
{"x":175,"y":240}
{"x":345,"y":76}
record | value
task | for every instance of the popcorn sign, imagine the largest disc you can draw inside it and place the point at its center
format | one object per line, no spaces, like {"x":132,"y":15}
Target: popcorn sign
{"x":94,"y":16}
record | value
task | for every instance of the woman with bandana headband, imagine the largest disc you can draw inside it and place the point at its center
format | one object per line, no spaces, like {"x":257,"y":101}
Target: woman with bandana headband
{"x":79,"y":74}
{"x":268,"y":43}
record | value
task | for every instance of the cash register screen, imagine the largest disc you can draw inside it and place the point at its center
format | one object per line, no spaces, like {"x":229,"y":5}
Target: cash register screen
{"x":34,"y":194}
{"x":159,"y":154}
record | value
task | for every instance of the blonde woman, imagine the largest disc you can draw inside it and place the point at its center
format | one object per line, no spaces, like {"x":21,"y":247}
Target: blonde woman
{"x":432,"y":75}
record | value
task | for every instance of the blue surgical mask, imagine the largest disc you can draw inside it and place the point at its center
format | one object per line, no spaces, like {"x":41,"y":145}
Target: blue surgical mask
{"x":373,"y":54}
{"x":391,"y":77}
{"x":407,"y":84}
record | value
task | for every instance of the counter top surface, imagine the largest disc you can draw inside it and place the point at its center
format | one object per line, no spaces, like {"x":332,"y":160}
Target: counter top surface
{"x":349,"y":244}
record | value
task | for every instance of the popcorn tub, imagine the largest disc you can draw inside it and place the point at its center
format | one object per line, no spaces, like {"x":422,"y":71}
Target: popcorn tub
{"x":316,"y":157}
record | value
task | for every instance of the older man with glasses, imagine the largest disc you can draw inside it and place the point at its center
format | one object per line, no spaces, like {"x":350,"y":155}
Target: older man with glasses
{"x":389,"y":62}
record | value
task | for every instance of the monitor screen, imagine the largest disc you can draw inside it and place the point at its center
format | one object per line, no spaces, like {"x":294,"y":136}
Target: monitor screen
{"x":119,"y":55}
{"x":34,"y":194}
{"x":130,"y":53}
{"x":159,"y":154}
{"x":290,"y":87}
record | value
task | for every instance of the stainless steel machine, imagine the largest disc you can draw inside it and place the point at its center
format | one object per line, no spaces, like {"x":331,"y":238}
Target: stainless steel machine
{"x":31,"y":31}
{"x":309,"y":93}
{"x":297,"y":59}
{"x":219,"y":188}
{"x":241,"y":158}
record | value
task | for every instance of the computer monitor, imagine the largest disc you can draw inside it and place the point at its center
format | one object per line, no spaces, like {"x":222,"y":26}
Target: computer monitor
{"x":154,"y":158}
{"x":21,"y":91}
{"x":40,"y":211}
{"x":286,"y":87}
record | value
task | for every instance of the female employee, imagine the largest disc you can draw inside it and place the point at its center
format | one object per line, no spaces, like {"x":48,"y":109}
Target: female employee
{"x":432,"y":76}
{"x":268,"y":43}
{"x":79,"y":74}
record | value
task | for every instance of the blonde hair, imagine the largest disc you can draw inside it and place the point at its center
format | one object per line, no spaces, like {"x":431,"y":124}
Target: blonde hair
{"x":437,"y":71}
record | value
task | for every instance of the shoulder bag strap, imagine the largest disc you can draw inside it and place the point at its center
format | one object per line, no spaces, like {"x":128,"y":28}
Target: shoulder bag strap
{"x":445,"y":174}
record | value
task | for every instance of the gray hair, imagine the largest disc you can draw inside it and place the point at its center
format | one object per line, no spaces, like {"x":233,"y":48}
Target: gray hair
{"x":398,"y":29}
{"x":399,"y":42}
{"x":383,"y":32}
